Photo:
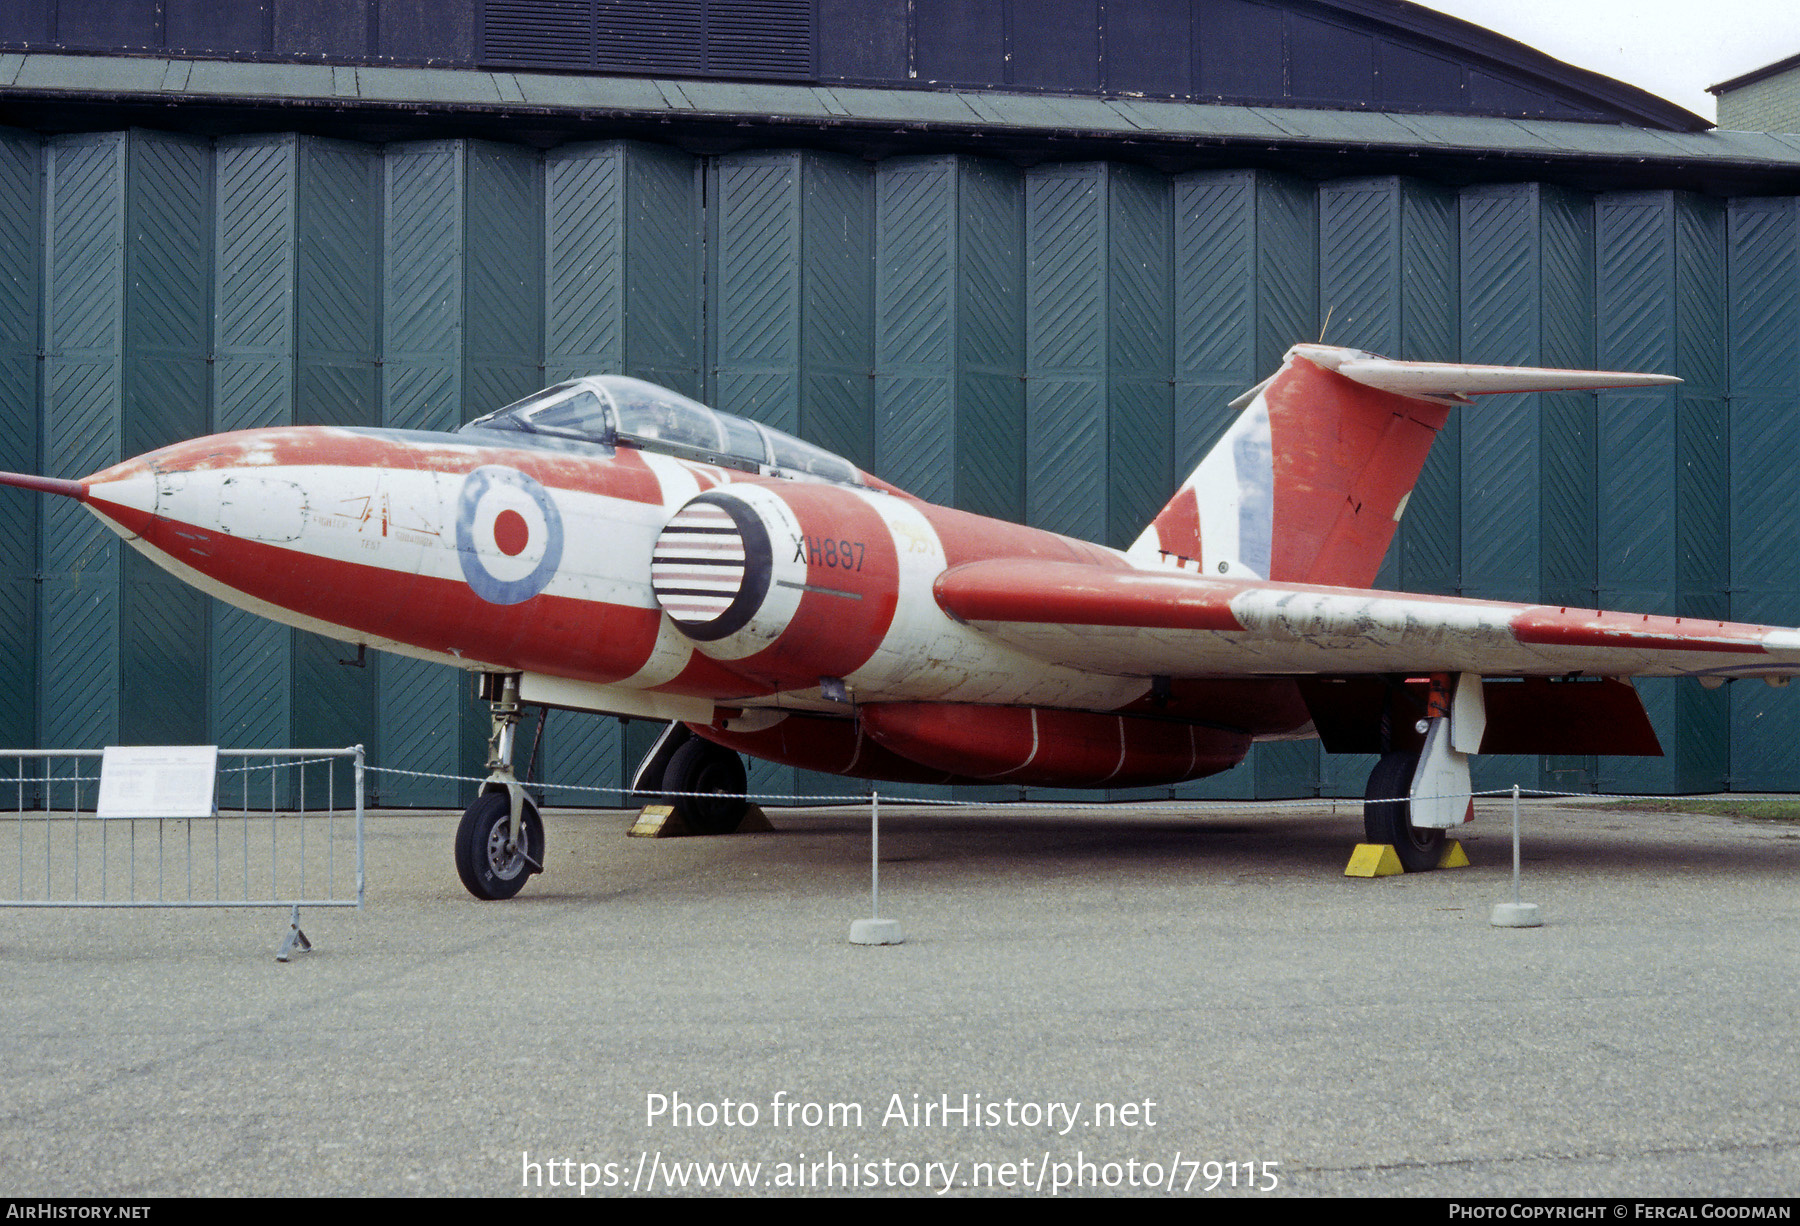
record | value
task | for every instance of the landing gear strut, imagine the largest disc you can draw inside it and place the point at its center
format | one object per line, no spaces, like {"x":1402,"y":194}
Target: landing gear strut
{"x":500,"y":841}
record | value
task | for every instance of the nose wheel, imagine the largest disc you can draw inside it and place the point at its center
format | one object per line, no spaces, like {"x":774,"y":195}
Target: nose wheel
{"x":491,"y":864}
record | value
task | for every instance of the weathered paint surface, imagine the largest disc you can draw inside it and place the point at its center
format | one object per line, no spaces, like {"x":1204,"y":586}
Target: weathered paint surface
{"x":967,"y":648}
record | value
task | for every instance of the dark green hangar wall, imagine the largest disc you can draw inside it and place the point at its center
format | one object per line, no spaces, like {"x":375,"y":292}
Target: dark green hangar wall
{"x":1014,"y":257}
{"x":1052,"y":343}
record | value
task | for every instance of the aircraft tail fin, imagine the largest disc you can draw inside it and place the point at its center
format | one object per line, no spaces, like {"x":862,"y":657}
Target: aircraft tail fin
{"x":1308,"y":485}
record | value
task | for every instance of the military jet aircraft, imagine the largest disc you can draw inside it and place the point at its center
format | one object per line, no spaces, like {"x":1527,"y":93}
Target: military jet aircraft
{"x":608,"y":545}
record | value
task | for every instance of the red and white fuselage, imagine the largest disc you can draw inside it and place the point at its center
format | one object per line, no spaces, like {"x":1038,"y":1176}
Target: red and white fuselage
{"x":839,"y":624}
{"x":527,"y":561}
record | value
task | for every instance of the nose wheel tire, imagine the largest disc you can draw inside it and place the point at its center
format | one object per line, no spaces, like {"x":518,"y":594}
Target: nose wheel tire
{"x":1387,"y":814}
{"x":490,"y":866}
{"x":717,"y":774}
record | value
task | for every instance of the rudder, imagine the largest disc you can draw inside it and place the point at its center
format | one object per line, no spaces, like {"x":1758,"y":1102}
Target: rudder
{"x":1308,"y":485}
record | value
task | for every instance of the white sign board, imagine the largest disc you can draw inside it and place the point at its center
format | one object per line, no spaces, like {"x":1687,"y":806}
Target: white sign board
{"x":158,"y":780}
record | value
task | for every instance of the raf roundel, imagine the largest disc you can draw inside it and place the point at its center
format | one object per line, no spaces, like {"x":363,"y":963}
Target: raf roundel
{"x":509,"y":535}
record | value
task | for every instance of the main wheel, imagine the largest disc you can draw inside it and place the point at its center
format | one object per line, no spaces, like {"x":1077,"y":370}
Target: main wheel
{"x":490,"y":866}
{"x":717,"y":774}
{"x":1387,"y":814}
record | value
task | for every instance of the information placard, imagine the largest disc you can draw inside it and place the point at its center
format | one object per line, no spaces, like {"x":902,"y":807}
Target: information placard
{"x":158,"y":781}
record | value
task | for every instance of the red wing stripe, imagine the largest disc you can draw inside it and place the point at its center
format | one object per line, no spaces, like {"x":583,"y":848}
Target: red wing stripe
{"x":1072,"y":594}
{"x":1561,"y":628}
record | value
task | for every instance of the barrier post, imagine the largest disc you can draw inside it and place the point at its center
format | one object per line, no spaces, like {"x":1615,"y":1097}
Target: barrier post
{"x":875,"y":930}
{"x":1515,"y":914}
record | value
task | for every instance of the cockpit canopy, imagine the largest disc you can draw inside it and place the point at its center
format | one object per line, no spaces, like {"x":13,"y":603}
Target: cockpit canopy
{"x":618,"y":411}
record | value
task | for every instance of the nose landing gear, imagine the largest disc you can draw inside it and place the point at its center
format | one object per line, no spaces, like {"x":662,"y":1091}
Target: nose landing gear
{"x":500,"y":840}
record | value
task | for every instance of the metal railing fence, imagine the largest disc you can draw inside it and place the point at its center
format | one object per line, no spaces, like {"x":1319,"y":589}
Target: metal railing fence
{"x":280,"y":836}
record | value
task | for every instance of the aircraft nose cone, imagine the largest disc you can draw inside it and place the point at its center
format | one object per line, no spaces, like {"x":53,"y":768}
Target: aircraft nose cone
{"x":127,"y":487}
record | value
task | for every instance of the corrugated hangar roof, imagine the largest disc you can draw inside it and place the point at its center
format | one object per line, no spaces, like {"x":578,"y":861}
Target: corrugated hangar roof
{"x":52,"y":92}
{"x":1381,"y":55}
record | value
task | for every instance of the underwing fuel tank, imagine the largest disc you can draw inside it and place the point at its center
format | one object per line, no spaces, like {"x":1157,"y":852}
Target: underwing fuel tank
{"x":924,"y":742}
{"x":1039,"y":747}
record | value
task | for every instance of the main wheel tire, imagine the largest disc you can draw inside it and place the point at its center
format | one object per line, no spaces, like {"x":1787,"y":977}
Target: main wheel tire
{"x":490,"y":867}
{"x":717,"y":774}
{"x":1387,"y":814}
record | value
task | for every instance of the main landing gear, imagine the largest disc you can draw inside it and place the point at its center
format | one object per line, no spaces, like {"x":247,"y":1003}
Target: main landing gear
{"x":704,"y":783}
{"x":500,"y":841}
{"x":1387,"y":814}
{"x":1415,"y":795}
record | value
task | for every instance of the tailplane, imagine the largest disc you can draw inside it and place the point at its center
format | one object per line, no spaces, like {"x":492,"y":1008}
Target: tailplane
{"x":1308,"y":485}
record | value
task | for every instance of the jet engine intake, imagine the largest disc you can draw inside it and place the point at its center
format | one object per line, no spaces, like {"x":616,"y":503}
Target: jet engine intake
{"x":784,"y":586}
